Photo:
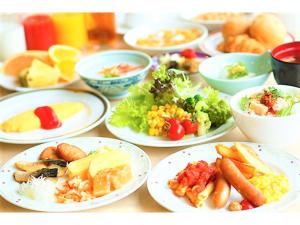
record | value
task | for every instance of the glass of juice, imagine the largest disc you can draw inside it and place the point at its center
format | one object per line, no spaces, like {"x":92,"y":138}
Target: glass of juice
{"x":39,"y":32}
{"x":70,"y":29}
{"x":101,"y":27}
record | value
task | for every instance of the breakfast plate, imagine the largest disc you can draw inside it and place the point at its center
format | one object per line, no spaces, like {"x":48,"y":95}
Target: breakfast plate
{"x":210,"y":45}
{"x":78,"y":111}
{"x":132,"y":36}
{"x":139,"y":162}
{"x":164,"y":171}
{"x":12,"y":83}
{"x":144,"y":139}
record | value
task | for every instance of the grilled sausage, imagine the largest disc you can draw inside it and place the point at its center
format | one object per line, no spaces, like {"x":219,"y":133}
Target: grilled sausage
{"x":233,"y":175}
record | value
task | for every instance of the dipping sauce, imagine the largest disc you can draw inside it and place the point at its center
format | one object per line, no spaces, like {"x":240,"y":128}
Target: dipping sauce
{"x":47,"y":117}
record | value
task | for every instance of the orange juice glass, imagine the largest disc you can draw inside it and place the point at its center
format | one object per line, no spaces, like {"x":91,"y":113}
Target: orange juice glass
{"x":101,"y":27}
{"x":70,"y":29}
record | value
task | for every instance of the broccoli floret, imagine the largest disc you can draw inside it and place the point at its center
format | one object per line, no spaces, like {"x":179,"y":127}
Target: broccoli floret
{"x":197,"y":98}
{"x":190,"y":101}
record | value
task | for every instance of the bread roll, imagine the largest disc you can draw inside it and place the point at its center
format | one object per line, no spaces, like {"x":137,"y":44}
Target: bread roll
{"x":268,"y":30}
{"x":235,"y":26}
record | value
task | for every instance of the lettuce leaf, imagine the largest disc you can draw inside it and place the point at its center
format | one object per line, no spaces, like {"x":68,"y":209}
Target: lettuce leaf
{"x":218,"y":109}
{"x":133,"y":110}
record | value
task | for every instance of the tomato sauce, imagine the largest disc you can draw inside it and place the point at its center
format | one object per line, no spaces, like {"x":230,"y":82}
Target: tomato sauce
{"x":47,"y":117}
{"x":199,"y":173}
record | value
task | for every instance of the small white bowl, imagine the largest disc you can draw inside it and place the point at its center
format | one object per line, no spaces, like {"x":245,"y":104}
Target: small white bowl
{"x":134,"y":34}
{"x":276,"y":131}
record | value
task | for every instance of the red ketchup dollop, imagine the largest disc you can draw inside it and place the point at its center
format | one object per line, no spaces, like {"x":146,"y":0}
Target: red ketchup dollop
{"x":48,"y":118}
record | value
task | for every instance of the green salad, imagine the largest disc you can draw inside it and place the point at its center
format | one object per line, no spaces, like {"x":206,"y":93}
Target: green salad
{"x":269,"y":102}
{"x":170,"y":106}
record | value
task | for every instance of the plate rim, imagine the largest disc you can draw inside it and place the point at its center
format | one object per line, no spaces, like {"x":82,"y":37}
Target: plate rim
{"x":100,"y":119}
{"x":170,"y":143}
{"x":26,"y":89}
{"x":91,"y":206}
{"x":273,"y":149}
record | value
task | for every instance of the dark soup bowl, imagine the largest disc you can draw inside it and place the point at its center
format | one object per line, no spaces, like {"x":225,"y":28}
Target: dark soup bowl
{"x":286,"y":64}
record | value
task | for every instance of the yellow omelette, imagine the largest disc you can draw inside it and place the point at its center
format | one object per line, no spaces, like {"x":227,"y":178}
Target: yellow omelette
{"x":28,"y":121}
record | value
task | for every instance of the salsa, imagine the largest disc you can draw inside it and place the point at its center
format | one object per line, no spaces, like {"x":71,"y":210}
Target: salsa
{"x":47,"y":117}
{"x":198,"y":173}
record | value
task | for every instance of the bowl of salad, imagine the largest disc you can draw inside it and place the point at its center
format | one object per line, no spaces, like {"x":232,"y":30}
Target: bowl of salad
{"x":112,"y":72}
{"x":233,"y":72}
{"x":268,"y":114}
{"x":187,"y":60}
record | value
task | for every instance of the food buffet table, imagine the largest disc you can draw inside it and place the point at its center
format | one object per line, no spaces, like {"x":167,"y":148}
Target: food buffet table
{"x":140,"y":200}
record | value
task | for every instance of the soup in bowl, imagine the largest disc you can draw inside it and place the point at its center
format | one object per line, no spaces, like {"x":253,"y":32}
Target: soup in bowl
{"x":286,"y":64}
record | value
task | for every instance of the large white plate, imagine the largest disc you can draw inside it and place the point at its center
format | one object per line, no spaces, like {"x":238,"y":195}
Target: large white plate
{"x":144,"y":139}
{"x":140,"y":164}
{"x":96,"y":109}
{"x":170,"y":166}
{"x":210,"y":45}
{"x":134,"y":34}
{"x":212,"y":25}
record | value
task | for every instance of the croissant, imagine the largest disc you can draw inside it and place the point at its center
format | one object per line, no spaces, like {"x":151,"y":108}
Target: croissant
{"x":241,"y":43}
{"x":235,"y":26}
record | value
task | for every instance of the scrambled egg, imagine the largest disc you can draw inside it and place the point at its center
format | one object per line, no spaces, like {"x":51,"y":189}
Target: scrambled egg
{"x":273,"y":187}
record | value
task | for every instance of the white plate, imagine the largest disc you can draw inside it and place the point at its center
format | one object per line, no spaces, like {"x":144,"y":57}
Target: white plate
{"x":140,"y":164}
{"x":212,"y":25}
{"x":210,"y":45}
{"x":12,"y":83}
{"x":96,"y":109}
{"x":170,"y":166}
{"x":144,"y":139}
{"x":134,"y":34}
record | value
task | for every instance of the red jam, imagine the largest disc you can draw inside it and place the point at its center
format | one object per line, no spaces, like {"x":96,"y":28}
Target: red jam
{"x":48,"y":118}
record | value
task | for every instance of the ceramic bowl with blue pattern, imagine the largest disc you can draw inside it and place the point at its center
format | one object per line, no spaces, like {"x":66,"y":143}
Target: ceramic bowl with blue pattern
{"x":113,"y":87}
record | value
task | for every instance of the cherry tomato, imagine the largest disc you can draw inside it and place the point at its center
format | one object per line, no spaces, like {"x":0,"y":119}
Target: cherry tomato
{"x":189,"y":126}
{"x":188,"y":53}
{"x":176,"y":132}
{"x":173,"y":121}
{"x":246,"y":205}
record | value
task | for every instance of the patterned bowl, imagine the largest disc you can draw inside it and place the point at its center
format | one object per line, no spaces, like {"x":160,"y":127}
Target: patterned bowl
{"x":88,"y":69}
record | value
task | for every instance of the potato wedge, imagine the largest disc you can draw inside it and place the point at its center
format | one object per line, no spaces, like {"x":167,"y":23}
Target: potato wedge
{"x":247,"y":156}
{"x":226,"y":152}
{"x":246,"y":169}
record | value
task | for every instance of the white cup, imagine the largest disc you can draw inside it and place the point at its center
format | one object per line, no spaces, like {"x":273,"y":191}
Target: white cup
{"x":12,"y":39}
